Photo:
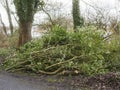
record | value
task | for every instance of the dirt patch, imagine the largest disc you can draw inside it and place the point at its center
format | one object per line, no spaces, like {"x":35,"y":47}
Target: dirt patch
{"x":110,"y":81}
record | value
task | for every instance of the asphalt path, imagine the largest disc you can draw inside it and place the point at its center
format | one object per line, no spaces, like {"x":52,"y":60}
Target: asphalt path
{"x":9,"y":82}
{"x":18,"y":82}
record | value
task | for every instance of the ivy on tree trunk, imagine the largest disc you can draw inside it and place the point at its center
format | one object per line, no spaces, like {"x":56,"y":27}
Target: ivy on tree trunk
{"x":77,"y":19}
{"x":25,"y":11}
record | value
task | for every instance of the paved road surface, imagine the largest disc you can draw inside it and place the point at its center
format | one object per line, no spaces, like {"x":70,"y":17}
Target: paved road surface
{"x":9,"y":82}
{"x":12,"y":82}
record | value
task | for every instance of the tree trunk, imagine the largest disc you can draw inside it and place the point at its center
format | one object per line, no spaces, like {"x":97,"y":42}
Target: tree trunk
{"x":4,"y":27}
{"x":9,"y":17}
{"x":77,"y":19}
{"x":24,"y":33}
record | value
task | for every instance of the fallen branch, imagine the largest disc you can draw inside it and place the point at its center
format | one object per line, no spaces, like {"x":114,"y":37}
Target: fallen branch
{"x":47,"y":49}
{"x":17,"y":65}
{"x":51,"y":73}
{"x":74,"y":58}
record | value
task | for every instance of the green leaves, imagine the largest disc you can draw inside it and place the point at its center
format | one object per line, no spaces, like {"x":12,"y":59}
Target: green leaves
{"x":57,"y":36}
{"x":84,"y":52}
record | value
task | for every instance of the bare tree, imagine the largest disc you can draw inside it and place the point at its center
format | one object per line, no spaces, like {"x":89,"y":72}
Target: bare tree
{"x":100,"y":16}
{"x":3,"y":26}
{"x":6,"y":5}
{"x":54,"y":15}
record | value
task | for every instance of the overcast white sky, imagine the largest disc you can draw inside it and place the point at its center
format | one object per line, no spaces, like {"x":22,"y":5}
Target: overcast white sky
{"x":67,"y":5}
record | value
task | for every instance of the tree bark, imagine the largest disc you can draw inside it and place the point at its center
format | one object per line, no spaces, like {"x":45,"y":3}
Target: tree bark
{"x":25,"y":33}
{"x":26,"y":10}
{"x":77,"y":19}
{"x":9,"y":16}
{"x":4,"y":27}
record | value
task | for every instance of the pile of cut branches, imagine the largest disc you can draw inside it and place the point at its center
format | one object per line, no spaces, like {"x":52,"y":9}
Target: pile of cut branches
{"x":53,"y":60}
{"x":62,"y":52}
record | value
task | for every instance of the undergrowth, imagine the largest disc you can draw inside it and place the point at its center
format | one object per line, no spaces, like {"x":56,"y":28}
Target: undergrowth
{"x":62,"y":52}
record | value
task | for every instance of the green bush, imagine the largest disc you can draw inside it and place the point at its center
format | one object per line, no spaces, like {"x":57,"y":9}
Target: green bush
{"x":4,"y":52}
{"x":112,"y":57}
{"x":57,"y":35}
{"x":59,"y":51}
